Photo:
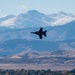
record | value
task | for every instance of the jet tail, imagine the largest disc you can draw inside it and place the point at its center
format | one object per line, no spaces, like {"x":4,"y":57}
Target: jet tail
{"x":44,"y":33}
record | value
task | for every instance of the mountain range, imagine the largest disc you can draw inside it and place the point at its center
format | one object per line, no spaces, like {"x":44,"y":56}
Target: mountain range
{"x":35,"y":18}
{"x":18,"y":45}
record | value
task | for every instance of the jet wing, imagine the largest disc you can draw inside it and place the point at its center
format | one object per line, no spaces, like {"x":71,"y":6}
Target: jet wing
{"x":40,"y":36}
{"x":41,"y":30}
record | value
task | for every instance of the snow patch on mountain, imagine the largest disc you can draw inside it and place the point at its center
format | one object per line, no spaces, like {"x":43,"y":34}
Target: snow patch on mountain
{"x":63,"y":20}
{"x":8,"y":22}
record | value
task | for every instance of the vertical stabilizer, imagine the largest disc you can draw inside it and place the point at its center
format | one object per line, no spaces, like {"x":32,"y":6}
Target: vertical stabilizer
{"x":44,"y":33}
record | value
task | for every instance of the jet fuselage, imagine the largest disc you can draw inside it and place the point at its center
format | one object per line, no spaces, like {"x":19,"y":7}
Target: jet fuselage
{"x":40,"y":33}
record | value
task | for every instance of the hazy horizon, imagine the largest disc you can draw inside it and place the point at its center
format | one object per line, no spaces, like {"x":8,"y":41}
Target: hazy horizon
{"x":45,"y":6}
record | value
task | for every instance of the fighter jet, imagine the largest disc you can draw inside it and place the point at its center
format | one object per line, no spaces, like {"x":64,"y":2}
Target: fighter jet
{"x":40,"y":33}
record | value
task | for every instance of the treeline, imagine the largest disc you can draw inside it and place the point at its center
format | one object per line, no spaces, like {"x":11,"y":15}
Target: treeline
{"x":36,"y":72}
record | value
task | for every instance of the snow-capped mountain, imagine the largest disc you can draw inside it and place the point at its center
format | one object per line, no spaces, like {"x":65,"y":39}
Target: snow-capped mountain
{"x":61,"y":18}
{"x":6,"y":17}
{"x":4,"y":21}
{"x":34,"y":18}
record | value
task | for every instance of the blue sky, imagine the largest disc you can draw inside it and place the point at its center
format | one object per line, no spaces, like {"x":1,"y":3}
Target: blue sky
{"x":45,"y":6}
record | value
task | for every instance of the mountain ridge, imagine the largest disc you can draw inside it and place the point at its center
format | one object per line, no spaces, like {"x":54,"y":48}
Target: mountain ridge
{"x":34,"y":18}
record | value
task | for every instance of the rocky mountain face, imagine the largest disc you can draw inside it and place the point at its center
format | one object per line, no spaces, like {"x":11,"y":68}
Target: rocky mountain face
{"x":54,"y":58}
